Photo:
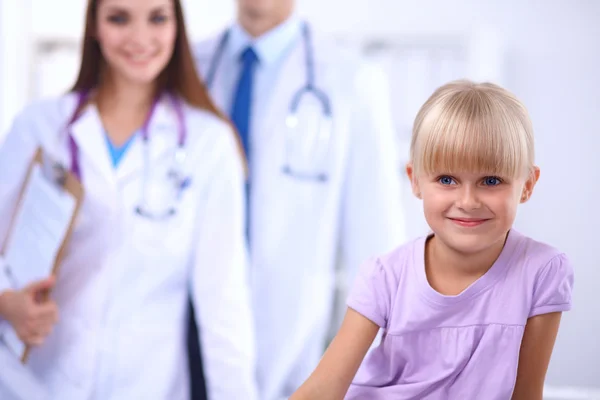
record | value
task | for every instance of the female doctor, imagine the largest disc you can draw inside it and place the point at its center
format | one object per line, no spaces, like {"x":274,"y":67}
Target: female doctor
{"x":163,"y":217}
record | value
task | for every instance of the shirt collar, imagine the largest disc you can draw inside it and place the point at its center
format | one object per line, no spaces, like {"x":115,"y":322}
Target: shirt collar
{"x":270,"y":46}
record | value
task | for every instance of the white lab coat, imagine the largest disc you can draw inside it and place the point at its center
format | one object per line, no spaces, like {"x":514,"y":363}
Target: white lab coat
{"x":123,"y":287}
{"x":302,"y":230}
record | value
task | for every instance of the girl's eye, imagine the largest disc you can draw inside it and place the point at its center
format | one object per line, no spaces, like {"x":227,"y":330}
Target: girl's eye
{"x":492,"y":181}
{"x":446,"y":180}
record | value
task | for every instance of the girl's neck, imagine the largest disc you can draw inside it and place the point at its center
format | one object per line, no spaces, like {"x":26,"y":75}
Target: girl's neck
{"x":123,"y":108}
{"x":450,"y":271}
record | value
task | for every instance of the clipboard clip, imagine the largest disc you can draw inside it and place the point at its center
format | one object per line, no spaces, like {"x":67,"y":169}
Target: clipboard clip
{"x":58,"y":174}
{"x":54,"y":171}
{"x":9,"y":276}
{"x":5,"y":267}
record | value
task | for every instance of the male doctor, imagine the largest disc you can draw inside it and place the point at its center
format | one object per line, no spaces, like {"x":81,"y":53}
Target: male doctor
{"x":320,"y":201}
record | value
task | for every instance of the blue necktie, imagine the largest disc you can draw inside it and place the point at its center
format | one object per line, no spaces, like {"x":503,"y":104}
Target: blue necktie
{"x":241,"y":112}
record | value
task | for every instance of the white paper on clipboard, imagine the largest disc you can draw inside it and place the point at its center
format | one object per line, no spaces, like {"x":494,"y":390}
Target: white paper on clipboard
{"x":41,"y":223}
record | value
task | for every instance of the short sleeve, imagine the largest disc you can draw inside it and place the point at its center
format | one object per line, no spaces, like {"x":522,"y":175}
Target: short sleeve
{"x":553,"y":287}
{"x":371,"y":294}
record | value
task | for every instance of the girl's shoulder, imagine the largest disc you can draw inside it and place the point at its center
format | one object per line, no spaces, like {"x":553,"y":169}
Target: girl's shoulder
{"x":380,"y":279}
{"x":544,"y":271}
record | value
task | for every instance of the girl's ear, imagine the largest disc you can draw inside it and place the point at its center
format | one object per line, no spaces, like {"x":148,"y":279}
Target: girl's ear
{"x":413,"y":180}
{"x":534,"y":175}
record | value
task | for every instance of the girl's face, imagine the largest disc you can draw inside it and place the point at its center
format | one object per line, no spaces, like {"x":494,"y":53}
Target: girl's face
{"x":136,"y":37}
{"x":471,"y":212}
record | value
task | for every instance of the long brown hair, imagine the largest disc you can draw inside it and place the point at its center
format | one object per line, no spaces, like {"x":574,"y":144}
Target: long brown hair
{"x":179,"y":76}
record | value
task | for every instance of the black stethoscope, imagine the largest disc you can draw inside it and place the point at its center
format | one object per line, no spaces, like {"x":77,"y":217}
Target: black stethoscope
{"x":318,"y":146}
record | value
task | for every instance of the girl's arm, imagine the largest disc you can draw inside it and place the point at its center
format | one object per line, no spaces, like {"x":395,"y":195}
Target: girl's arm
{"x":536,"y":350}
{"x":332,"y":377}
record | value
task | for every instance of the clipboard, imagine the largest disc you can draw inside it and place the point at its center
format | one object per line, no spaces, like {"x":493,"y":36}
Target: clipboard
{"x":58,"y":177}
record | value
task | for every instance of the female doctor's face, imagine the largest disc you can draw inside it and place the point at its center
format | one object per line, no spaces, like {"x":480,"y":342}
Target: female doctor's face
{"x":136,"y":37}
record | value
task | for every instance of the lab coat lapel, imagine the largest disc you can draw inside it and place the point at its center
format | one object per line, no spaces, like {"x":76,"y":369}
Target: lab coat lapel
{"x":162,"y":137}
{"x":89,"y":136}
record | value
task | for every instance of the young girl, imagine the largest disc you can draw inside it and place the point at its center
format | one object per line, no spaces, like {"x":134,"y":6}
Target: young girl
{"x":472,"y":310}
{"x":162,"y":220}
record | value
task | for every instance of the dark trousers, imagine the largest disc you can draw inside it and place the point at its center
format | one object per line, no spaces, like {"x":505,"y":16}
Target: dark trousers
{"x":198,"y":387}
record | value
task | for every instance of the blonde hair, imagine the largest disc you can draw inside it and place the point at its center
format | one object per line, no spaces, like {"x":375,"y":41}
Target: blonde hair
{"x":472,"y":127}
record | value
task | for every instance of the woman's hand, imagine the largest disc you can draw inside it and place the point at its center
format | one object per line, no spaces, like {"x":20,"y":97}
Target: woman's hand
{"x":30,"y":315}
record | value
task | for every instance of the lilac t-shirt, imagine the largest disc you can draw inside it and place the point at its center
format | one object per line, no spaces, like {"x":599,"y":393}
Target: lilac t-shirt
{"x":454,"y":347}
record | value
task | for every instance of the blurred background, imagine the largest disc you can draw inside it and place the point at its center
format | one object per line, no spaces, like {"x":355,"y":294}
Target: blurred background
{"x":546,"y":51}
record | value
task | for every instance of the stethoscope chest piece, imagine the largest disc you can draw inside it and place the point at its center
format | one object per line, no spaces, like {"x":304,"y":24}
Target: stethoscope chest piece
{"x":307,"y":145}
{"x":163,"y":187}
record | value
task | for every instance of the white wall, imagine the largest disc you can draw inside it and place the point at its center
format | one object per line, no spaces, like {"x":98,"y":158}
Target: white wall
{"x":553,"y":66}
{"x":558,"y":75}
{"x":203,"y":17}
{"x":2,"y":68}
{"x":14,"y":59}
